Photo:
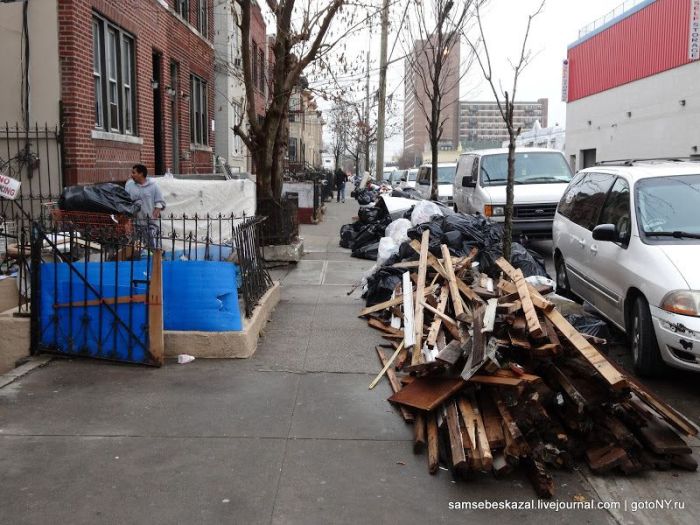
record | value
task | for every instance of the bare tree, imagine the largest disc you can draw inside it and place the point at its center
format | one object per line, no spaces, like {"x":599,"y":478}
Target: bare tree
{"x":432,"y":73}
{"x":340,"y":122}
{"x":506,"y":107}
{"x":303,"y":34}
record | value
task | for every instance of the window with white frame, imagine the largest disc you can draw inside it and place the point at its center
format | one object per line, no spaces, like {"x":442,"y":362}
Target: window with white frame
{"x":113,"y":75}
{"x":182,"y":7}
{"x":203,"y":17}
{"x":198,"y":111}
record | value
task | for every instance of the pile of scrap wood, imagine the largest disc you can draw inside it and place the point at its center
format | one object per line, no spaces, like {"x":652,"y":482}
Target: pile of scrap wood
{"x":493,"y":377}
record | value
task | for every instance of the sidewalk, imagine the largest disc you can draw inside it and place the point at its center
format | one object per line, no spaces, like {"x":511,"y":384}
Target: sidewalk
{"x":291,"y":436}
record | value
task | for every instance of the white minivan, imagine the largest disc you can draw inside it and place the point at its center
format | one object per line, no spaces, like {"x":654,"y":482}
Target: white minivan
{"x":541,"y":176}
{"x":626,"y":239}
{"x":446,"y":174}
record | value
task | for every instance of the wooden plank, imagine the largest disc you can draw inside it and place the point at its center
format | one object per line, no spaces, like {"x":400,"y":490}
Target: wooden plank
{"x":452,"y":283}
{"x":409,"y":337}
{"x":427,"y":393}
{"x":597,"y":360}
{"x":492,"y":422}
{"x":433,"y":451}
{"x":470,"y":440}
{"x":661,"y":439}
{"x":477,"y":355}
{"x":557,"y":376}
{"x":490,"y":315}
{"x":383,"y":327}
{"x":418,"y":317}
{"x":451,"y":353}
{"x":537,"y":299}
{"x":125,"y":299}
{"x":533,"y":322}
{"x":386,"y":367}
{"x":481,"y":438}
{"x":497,"y":381}
{"x":603,"y":459}
{"x":459,"y":458}
{"x":399,"y":299}
{"x":530,"y":378}
{"x":509,"y":422}
{"x":438,"y":313}
{"x":435,"y":264}
{"x":156,"y":337}
{"x":395,"y":383}
{"x":437,"y":323}
{"x":419,"y":433}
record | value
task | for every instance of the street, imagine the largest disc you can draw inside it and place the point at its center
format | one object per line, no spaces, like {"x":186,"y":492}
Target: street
{"x":290,"y":436}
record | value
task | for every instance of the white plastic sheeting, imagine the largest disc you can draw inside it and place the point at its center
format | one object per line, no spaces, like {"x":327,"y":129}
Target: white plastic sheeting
{"x":423,"y":211}
{"x":398,"y":231}
{"x":202,"y":197}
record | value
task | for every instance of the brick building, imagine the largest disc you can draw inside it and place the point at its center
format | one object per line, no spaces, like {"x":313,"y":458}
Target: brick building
{"x":135,"y":83}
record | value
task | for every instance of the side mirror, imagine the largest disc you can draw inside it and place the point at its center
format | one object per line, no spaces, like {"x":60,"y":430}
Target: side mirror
{"x":606,"y":232}
{"x":467,"y":182}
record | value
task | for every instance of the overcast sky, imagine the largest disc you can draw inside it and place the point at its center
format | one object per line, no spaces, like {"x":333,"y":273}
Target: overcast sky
{"x":504,"y":23}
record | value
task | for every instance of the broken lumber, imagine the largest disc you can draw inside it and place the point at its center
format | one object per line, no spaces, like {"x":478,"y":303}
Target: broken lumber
{"x":452,"y":283}
{"x":394,"y":381}
{"x":433,"y":448}
{"x":418,"y":317}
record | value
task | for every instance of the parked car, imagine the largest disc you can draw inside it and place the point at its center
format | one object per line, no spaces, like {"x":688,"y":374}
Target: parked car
{"x":393,"y":177}
{"x":446,"y":173}
{"x":626,"y":239}
{"x":409,"y":179}
{"x":541,"y":176}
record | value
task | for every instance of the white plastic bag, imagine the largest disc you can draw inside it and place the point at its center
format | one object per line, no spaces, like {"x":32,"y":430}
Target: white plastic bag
{"x":423,"y":211}
{"x":398,"y":231}
{"x":387,"y":248}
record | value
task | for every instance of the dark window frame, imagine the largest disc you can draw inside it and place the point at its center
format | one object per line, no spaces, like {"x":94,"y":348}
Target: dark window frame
{"x":182,"y":8}
{"x":199,"y":111}
{"x":115,"y":82}
{"x":203,"y":18}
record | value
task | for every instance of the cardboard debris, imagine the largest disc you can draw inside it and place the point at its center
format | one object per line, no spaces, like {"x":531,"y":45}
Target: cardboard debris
{"x":498,"y":379}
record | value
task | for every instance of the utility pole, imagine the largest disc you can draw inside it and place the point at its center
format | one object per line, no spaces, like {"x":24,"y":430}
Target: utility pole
{"x":381,"y":118}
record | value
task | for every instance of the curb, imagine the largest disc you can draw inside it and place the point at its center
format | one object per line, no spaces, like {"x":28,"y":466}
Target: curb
{"x":32,"y":364}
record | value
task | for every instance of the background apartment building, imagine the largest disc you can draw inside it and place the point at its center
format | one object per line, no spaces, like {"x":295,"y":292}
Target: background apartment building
{"x":415,"y":138}
{"x":305,"y":142}
{"x":481,"y":124}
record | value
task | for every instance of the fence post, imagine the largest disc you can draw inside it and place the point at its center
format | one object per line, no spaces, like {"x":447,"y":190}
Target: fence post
{"x":34,"y":324}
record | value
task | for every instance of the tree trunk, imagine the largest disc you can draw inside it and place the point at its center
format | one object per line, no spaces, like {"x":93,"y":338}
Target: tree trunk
{"x":434,"y":194}
{"x":508,"y":225}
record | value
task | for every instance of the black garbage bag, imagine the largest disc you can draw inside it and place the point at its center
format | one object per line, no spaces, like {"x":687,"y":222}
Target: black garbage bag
{"x":368,"y":251}
{"x":528,"y":261}
{"x":382,"y":284}
{"x":370,"y":234}
{"x":589,"y":325}
{"x":98,"y":198}
{"x":347,"y":236}
{"x":406,"y":253}
{"x":436,"y":234}
{"x":480,"y":232}
{"x":370,"y":215}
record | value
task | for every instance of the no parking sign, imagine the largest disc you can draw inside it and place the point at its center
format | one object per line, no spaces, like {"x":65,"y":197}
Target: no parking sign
{"x":9,"y":187}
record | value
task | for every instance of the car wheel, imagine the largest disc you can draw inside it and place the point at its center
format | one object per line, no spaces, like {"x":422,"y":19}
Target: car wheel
{"x":562,"y":278}
{"x":645,"y":348}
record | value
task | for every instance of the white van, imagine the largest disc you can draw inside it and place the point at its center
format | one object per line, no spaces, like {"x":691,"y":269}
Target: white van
{"x":446,"y":174}
{"x":541,"y":177}
{"x":408,"y":180}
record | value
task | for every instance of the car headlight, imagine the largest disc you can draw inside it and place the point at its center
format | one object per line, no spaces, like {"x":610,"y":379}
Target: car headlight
{"x":682,"y":302}
{"x":494,"y":211}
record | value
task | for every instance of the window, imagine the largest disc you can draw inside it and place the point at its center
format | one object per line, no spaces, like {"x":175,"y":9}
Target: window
{"x":292,"y":149}
{"x":254,"y":62}
{"x":617,"y":209}
{"x":113,"y":76}
{"x":198,"y":111}
{"x":182,"y":7}
{"x":585,"y":198}
{"x":203,"y":17}
{"x":261,"y":70}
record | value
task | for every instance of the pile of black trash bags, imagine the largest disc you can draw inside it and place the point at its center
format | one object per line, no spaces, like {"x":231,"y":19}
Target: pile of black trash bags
{"x":458,"y":231}
{"x":98,"y":198}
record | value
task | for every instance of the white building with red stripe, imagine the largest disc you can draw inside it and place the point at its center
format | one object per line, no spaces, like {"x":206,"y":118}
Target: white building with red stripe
{"x":632,"y":84}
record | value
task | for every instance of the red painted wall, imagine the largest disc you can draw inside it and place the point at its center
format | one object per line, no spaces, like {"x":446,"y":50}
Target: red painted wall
{"x":650,"y":41}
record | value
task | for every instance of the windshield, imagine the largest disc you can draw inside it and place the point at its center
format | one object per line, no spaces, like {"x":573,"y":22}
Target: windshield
{"x":669,"y":204}
{"x":388,"y":174}
{"x":530,"y":168}
{"x":412,"y":175}
{"x":446,"y":174}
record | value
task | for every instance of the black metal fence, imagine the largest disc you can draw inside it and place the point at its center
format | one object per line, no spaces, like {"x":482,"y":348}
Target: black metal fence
{"x":255,"y":281}
{"x":282,"y":224}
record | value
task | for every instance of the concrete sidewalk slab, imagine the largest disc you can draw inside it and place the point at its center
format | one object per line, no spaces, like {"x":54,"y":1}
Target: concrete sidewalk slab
{"x":340,"y":406}
{"x":202,"y":398}
{"x":138,"y":480}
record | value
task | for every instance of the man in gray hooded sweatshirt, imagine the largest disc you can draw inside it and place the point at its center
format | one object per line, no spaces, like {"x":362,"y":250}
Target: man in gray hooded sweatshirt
{"x":146,"y":193}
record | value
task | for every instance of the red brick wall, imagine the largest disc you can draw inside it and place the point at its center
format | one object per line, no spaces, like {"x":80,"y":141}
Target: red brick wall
{"x":154,"y":29}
